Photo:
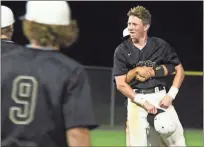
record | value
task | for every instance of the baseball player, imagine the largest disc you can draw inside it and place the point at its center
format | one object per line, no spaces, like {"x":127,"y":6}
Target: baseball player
{"x":7,"y":21}
{"x":7,"y":29}
{"x":143,"y":73}
{"x":145,"y":97}
{"x":45,"y":95}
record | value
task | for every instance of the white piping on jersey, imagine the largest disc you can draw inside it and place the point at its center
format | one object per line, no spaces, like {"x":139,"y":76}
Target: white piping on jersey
{"x":42,"y":48}
{"x":9,"y":41}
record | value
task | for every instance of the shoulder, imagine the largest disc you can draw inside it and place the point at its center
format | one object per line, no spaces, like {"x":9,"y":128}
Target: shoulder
{"x":63,"y":62}
{"x":122,"y":48}
{"x":67,"y":62}
{"x":159,"y":41}
{"x":54,"y":60}
{"x":7,"y":47}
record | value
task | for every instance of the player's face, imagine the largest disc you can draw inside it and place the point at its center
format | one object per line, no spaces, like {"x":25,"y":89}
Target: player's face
{"x":135,"y":27}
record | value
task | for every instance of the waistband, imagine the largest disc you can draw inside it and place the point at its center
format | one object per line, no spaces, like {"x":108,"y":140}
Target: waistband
{"x":150,"y":90}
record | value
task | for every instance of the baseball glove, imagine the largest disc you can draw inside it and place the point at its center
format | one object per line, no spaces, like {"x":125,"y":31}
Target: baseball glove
{"x":144,"y":73}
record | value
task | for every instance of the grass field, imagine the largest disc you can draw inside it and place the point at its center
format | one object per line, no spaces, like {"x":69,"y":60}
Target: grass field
{"x":117,"y":138}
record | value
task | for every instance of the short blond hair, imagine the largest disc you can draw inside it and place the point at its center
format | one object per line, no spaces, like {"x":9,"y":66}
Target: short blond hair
{"x":142,"y":13}
{"x":51,"y":35}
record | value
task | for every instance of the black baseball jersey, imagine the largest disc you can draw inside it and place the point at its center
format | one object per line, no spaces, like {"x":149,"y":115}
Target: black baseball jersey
{"x":7,"y":46}
{"x":43,"y":93}
{"x":156,"y":52}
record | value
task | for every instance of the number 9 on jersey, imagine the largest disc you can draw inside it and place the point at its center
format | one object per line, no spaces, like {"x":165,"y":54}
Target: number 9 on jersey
{"x":24,"y":94}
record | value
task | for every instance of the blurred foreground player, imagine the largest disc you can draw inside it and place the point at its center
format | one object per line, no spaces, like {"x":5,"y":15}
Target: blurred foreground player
{"x":7,"y":29}
{"x":7,"y":21}
{"x":46,"y":98}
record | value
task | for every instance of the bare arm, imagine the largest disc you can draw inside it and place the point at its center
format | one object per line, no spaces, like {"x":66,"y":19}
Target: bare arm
{"x":171,"y":95}
{"x":179,"y":77}
{"x":126,"y":90}
{"x":78,"y":137}
{"x":123,"y":87}
{"x":130,"y":75}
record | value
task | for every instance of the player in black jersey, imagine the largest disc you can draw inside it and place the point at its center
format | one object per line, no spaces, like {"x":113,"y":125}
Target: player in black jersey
{"x":7,"y":29}
{"x":145,"y":97}
{"x":144,"y":73}
{"x":45,"y":95}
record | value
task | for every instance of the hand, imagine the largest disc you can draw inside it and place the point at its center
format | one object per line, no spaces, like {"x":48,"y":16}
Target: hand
{"x":150,"y":108}
{"x":166,"y":102}
{"x":143,"y":73}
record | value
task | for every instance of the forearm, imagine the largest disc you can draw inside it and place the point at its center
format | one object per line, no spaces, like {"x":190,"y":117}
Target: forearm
{"x":126,"y":90}
{"x":179,"y":76}
{"x":78,"y":137}
{"x":130,"y":75}
{"x":178,"y":79}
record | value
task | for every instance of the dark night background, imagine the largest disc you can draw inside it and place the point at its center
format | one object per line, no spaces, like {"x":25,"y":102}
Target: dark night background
{"x":101,"y":25}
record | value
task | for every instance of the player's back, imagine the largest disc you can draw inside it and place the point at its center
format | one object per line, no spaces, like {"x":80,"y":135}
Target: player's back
{"x":37,"y":98}
{"x":7,"y":46}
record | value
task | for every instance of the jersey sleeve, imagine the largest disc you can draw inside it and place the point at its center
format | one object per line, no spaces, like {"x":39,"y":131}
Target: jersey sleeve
{"x":170,"y":68}
{"x":119,"y":63}
{"x":171,"y":57}
{"x":77,"y":105}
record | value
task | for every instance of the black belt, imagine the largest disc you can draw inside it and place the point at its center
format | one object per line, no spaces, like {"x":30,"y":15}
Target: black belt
{"x":150,"y":90}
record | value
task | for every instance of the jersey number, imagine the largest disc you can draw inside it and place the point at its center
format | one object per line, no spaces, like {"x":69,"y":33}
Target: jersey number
{"x":24,"y":94}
